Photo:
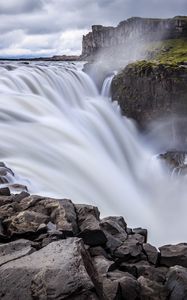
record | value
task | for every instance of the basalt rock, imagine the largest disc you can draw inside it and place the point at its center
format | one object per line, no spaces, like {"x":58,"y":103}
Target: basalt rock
{"x":89,"y":225}
{"x":171,"y":255}
{"x":177,"y":283}
{"x":115,"y":40}
{"x":108,"y":261}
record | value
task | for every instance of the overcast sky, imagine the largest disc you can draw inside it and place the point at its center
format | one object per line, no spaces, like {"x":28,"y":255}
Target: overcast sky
{"x":50,"y":27}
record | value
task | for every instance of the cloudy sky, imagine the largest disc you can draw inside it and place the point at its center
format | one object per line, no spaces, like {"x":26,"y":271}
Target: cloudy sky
{"x":49,"y":27}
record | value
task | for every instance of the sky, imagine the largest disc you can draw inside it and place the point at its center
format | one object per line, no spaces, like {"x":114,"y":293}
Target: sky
{"x":32,"y":28}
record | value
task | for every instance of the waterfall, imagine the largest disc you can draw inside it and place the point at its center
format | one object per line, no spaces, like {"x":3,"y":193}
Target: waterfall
{"x":68,"y":141}
{"x":105,"y":92}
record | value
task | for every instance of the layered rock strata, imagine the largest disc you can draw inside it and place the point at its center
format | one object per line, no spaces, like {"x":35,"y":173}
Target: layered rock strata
{"x":130,"y":31}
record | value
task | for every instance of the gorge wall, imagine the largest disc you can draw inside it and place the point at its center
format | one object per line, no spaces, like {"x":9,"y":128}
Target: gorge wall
{"x":129,"y":31}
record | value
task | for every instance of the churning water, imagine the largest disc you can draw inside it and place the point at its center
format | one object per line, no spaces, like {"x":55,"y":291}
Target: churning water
{"x":57,"y":132}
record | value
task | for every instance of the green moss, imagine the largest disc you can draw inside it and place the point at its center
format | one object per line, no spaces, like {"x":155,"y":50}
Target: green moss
{"x":171,"y":52}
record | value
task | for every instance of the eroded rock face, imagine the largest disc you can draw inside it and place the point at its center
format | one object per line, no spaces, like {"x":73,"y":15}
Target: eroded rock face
{"x":131,"y":31}
{"x":147,"y":91}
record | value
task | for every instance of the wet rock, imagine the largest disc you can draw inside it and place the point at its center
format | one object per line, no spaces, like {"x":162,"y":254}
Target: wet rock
{"x":177,"y":283}
{"x":58,"y":271}
{"x":88,"y":222}
{"x":15,"y":250}
{"x":151,"y":253}
{"x":171,"y":255}
{"x":151,"y":290}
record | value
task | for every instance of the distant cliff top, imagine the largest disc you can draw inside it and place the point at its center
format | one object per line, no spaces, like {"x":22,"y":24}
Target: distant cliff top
{"x":132,"y":31}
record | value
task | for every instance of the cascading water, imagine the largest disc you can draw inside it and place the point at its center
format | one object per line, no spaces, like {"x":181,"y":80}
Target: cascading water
{"x":58,"y":132}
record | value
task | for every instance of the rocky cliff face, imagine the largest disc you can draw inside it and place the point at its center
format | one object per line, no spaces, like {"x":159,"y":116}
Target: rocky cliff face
{"x":131,"y":30}
{"x":155,"y":94}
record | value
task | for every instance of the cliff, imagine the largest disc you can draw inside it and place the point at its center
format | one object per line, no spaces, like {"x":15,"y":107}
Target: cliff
{"x":130,"y":31}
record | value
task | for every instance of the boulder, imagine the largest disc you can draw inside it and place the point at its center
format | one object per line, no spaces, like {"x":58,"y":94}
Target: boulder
{"x":151,"y":290}
{"x":26,"y":222}
{"x":171,"y":255}
{"x":177,"y":283}
{"x":58,"y":271}
{"x":151,"y":253}
{"x":89,"y":225}
{"x":14,"y":250}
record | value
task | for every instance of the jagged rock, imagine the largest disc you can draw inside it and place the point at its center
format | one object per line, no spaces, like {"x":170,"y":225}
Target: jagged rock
{"x":58,"y":271}
{"x":171,"y":255}
{"x":141,"y":231}
{"x":103,"y":265}
{"x":151,"y":253}
{"x":26,"y":222}
{"x":6,"y":200}
{"x":114,"y":226}
{"x":151,"y":290}
{"x":14,"y":250}
{"x":5,"y":191}
{"x":177,"y":283}
{"x":88,"y":222}
{"x":98,"y":251}
{"x":121,"y":285}
{"x":136,"y":237}
{"x":129,"y":250}
{"x":61,"y":212}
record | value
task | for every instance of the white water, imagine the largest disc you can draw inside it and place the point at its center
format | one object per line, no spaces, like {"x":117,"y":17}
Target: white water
{"x":58,"y":132}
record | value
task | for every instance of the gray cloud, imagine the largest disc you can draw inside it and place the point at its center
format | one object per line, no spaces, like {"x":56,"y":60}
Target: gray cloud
{"x":20,"y":6}
{"x":56,"y":26}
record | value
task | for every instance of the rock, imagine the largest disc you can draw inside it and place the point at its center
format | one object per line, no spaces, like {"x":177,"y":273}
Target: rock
{"x":142,"y":232}
{"x":116,"y":40}
{"x":120,"y":285}
{"x":5,"y":191}
{"x":58,"y":271}
{"x":129,"y":250}
{"x":98,"y":251}
{"x":114,"y":226}
{"x":26,"y":222}
{"x":103,"y":265}
{"x":148,"y":92}
{"x":151,"y":290}
{"x":151,"y":253}
{"x":60,"y":212}
{"x":14,"y":250}
{"x":88,"y":222}
{"x":177,"y":283}
{"x":171,"y":255}
{"x":5,"y":200}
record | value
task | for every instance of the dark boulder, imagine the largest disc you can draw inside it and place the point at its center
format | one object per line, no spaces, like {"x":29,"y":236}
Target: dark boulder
{"x":177,"y":283}
{"x":89,"y":225}
{"x":171,"y":255}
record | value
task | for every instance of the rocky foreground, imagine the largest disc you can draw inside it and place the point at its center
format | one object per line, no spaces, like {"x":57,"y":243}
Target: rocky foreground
{"x":55,"y":249}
